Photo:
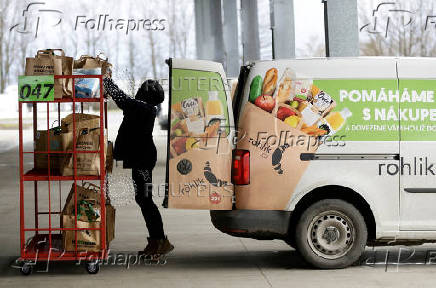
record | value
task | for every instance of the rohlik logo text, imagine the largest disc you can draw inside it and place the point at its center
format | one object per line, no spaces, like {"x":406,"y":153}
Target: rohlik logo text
{"x":420,"y":166}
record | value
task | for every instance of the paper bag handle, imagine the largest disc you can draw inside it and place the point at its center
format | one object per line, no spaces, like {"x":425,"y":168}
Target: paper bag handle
{"x":83,"y":57}
{"x":50,"y":52}
{"x":91,"y":186}
{"x":101,"y":57}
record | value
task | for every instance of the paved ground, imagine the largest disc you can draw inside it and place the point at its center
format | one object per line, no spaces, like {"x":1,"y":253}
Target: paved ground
{"x":203,"y":257}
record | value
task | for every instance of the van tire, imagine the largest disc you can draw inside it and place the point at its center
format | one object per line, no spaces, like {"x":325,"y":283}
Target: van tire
{"x":331,"y":234}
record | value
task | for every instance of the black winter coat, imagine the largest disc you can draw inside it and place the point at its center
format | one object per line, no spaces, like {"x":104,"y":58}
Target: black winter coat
{"x":134,"y":144}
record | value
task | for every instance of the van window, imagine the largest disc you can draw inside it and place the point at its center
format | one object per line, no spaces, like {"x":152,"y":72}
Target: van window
{"x":206,"y":91}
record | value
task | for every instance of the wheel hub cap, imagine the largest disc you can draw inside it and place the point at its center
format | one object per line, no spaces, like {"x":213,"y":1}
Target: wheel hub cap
{"x":331,"y":234}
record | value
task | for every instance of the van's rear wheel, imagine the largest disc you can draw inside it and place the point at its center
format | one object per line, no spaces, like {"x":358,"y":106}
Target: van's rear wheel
{"x":330,"y":234}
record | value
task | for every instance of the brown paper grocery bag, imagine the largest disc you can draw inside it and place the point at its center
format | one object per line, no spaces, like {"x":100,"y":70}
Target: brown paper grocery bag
{"x":201,"y":179}
{"x":87,"y":240}
{"x":87,"y":191}
{"x":83,"y":120}
{"x":47,"y":63}
{"x":41,"y":144}
{"x":89,"y":62}
{"x":110,"y":223}
{"x":86,"y":163}
{"x":275,"y":169}
{"x":109,"y":157}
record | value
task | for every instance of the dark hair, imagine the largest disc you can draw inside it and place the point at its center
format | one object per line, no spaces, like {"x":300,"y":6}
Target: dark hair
{"x":150,"y":92}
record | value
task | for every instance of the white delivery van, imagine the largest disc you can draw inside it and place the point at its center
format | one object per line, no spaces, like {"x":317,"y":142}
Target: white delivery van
{"x":327,"y":154}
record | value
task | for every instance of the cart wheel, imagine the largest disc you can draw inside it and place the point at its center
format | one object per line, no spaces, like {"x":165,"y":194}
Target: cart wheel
{"x":163,"y":261}
{"x":93,"y":267}
{"x":26,"y":269}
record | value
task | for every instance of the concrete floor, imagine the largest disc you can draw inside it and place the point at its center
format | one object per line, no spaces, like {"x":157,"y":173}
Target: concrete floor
{"x":203,"y":257}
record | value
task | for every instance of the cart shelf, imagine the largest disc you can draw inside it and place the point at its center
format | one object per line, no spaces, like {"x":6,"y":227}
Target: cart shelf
{"x":67,"y":100}
{"x":38,"y":248}
{"x":42,"y":175}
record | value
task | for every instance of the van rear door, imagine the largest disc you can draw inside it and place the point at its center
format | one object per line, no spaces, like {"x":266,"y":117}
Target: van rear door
{"x":199,"y":137}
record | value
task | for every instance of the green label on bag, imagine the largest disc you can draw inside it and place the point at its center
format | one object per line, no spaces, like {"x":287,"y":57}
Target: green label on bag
{"x":36,"y":88}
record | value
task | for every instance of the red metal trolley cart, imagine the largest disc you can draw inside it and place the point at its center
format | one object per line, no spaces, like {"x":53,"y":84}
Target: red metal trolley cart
{"x":45,"y":243}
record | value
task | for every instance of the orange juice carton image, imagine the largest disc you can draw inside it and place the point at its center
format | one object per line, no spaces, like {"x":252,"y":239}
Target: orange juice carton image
{"x":334,"y":121}
{"x":214,"y":108}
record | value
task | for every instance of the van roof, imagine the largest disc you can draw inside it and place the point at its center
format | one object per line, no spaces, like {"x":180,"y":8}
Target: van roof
{"x":349,"y":58}
{"x":353,"y":67}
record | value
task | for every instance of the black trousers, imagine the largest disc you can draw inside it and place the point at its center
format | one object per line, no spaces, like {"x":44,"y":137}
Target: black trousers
{"x":142,"y":181}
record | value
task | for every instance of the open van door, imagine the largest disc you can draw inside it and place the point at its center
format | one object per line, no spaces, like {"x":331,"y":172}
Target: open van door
{"x":199,"y":151}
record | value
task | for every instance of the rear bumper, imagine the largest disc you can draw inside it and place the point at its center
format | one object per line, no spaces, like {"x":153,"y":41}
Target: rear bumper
{"x":257,"y":224}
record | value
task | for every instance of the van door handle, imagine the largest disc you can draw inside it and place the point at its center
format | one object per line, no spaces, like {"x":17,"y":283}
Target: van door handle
{"x":420,"y":190}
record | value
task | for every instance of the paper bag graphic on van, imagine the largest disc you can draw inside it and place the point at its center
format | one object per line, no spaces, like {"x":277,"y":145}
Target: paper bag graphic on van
{"x":275,"y":164}
{"x":200,"y":179}
{"x":281,"y":121}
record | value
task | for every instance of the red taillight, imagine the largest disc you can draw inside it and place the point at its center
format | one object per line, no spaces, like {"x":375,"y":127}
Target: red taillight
{"x":241,"y":167}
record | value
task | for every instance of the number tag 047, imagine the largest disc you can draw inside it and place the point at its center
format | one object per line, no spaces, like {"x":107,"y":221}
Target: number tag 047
{"x":36,"y":88}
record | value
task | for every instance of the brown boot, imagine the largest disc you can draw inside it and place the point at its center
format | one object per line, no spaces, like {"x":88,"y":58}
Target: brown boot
{"x":164,"y":246}
{"x":151,"y":247}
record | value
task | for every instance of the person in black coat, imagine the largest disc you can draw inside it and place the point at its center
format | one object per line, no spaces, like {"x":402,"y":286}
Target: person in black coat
{"x":135,"y":147}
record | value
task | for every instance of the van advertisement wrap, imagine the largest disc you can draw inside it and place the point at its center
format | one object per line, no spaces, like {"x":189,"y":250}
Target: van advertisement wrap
{"x":362,"y":109}
{"x":199,"y":174}
{"x":372,"y":106}
{"x":296,"y":117}
{"x":379,"y":109}
{"x":286,"y":124}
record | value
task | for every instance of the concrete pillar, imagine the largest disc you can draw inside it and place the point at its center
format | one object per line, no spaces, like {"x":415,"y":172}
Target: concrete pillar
{"x":283,"y":29}
{"x":202,"y":29}
{"x":208,"y":30}
{"x":250,"y":31}
{"x":230,"y":29}
{"x":217,"y":30}
{"x":341,"y":28}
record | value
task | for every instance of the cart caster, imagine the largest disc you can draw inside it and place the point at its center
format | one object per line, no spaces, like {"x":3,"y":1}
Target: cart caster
{"x":163,"y":261}
{"x":93,"y":267}
{"x":26,"y":269}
